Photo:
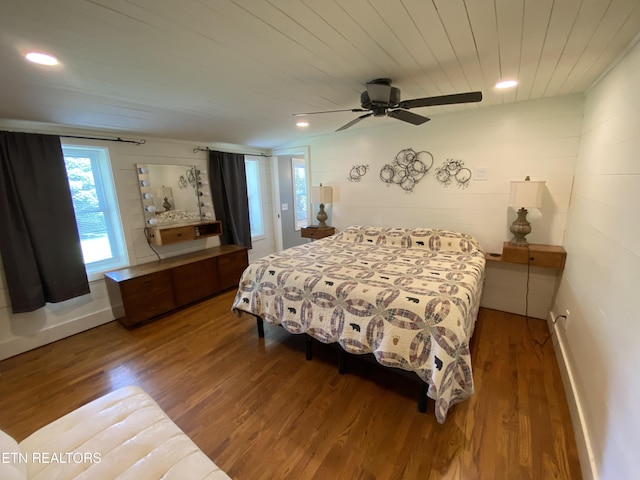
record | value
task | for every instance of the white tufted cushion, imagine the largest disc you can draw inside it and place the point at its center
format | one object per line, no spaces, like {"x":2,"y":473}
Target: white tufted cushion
{"x":11,"y":465}
{"x":124,"y":434}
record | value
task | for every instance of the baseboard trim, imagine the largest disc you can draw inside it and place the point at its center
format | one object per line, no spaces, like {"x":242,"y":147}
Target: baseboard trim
{"x":581,"y":431}
{"x":18,"y":345}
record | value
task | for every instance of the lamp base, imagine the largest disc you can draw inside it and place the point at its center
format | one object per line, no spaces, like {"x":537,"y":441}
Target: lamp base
{"x":520,"y":229}
{"x":322,"y":216}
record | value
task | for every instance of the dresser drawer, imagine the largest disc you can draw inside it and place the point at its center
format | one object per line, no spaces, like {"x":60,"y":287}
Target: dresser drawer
{"x":168,"y":234}
{"x":194,"y":281}
{"x":147,"y":296}
{"x":174,"y":235}
{"x":230,"y":268}
{"x":232,"y":262}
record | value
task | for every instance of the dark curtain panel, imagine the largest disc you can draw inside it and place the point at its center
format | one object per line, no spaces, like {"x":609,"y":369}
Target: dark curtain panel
{"x":39,"y":240}
{"x":228,"y":181}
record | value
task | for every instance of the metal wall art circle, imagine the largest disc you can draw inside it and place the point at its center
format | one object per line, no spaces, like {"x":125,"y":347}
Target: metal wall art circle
{"x":453,"y":171}
{"x":357,"y":172}
{"x":407,"y":168}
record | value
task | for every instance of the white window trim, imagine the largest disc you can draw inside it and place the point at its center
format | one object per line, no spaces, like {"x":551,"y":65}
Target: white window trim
{"x":298,"y":224}
{"x":257,"y":163}
{"x":95,"y":270}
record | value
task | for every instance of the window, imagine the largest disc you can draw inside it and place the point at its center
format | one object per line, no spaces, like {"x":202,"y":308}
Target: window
{"x":300,"y":193}
{"x":96,"y":207}
{"x":252,"y":168}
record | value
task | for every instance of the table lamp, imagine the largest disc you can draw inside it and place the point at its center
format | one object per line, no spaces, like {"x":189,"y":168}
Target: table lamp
{"x":321,"y":195}
{"x":524,"y":194}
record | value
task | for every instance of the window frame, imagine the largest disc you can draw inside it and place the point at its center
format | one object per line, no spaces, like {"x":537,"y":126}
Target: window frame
{"x":299,"y":163}
{"x":248,"y":160}
{"x":108,"y":205}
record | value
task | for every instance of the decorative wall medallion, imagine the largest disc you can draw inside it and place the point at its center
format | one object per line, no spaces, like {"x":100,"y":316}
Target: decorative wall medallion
{"x":357,"y":172}
{"x":453,"y":171}
{"x":407,"y":169}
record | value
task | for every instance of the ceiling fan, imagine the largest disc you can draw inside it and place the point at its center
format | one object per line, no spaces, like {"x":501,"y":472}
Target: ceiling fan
{"x":380,"y":99}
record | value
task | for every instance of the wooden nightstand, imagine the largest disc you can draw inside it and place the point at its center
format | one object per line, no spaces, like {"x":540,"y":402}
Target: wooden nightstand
{"x":316,"y":232}
{"x":550,"y":256}
{"x":523,"y":280}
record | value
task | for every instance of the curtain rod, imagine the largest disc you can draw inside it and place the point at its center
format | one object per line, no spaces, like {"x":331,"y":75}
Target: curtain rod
{"x":207,"y":149}
{"x":118,"y":139}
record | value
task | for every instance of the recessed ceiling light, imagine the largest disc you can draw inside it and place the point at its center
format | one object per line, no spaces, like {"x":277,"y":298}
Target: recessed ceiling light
{"x":41,"y":58}
{"x":302,"y":123}
{"x":506,"y":84}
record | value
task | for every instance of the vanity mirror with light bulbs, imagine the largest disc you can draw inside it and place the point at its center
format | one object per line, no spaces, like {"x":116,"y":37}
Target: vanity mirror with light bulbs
{"x":176,"y":202}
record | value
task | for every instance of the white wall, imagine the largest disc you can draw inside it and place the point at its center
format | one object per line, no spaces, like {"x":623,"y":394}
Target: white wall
{"x":509,"y":142}
{"x":600,"y":285}
{"x":22,"y":332}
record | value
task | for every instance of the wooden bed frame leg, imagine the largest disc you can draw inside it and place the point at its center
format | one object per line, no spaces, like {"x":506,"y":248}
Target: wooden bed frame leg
{"x":422,"y":396}
{"x":342,"y":362}
{"x":308,"y":348}
{"x":260,"y":324}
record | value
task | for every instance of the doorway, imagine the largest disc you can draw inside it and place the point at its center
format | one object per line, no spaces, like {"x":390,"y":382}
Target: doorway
{"x":292,"y":191}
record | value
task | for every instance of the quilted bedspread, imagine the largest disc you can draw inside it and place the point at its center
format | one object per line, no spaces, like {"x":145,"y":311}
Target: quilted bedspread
{"x":409,"y":296}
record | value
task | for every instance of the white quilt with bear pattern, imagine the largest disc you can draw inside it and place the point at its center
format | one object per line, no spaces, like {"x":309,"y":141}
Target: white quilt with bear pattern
{"x":409,"y":296}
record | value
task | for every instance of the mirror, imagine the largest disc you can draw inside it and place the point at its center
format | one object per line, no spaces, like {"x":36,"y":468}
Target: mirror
{"x":174,"y":194}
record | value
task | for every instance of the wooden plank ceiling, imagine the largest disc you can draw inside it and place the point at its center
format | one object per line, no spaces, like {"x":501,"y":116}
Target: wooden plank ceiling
{"x":235,"y":70}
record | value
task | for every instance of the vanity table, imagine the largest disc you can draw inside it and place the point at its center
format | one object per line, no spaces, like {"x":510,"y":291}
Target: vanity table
{"x":176,"y":206}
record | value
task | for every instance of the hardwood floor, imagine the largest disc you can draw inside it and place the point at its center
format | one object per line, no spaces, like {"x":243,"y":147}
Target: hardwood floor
{"x":261,"y":411}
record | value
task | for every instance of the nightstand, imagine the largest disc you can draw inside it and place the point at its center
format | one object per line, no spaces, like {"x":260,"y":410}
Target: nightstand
{"x":523,"y":280}
{"x":549,"y":256}
{"x":316,"y":232}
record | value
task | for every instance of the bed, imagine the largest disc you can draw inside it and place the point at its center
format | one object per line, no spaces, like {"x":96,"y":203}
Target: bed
{"x":410,"y":297}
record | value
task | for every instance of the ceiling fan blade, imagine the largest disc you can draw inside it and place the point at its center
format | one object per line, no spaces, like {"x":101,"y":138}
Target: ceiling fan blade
{"x":330,"y":111}
{"x":442,"y":100}
{"x":353,"y":122}
{"x":408,"y":117}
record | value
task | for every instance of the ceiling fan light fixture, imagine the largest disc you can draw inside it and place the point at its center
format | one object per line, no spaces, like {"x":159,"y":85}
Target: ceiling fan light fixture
{"x":42,"y":58}
{"x":506,"y":84}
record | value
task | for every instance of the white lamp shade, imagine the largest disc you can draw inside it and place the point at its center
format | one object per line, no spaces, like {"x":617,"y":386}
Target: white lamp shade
{"x":526,"y":194}
{"x":321,"y":194}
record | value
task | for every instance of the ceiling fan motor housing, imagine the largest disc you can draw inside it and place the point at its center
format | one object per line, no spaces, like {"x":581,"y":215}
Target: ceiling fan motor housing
{"x":387,"y":97}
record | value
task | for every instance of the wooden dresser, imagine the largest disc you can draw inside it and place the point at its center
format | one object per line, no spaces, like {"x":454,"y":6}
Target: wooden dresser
{"x":145,"y":291}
